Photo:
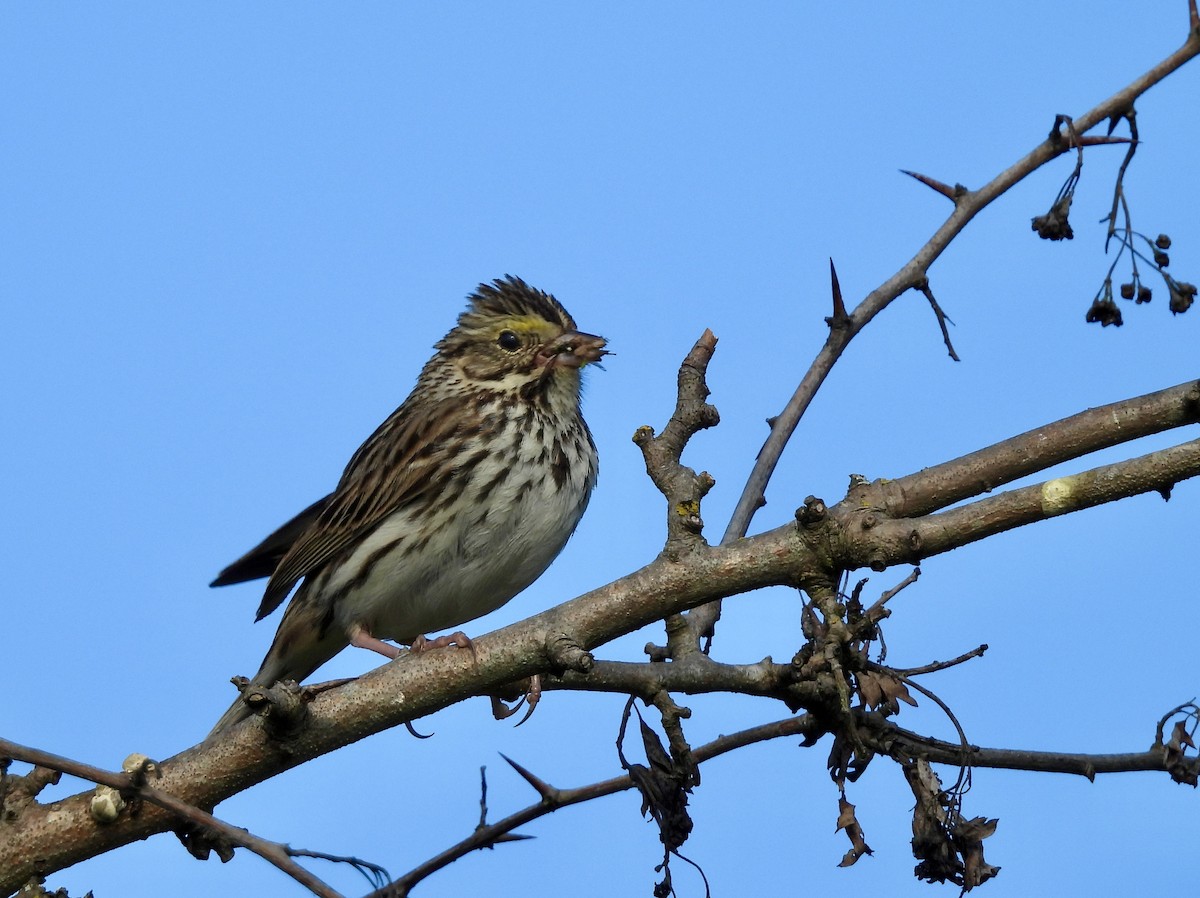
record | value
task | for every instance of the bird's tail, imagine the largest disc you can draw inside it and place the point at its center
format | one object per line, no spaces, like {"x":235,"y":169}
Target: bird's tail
{"x":301,"y":646}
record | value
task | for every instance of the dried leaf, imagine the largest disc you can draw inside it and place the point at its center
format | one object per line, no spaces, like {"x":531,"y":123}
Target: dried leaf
{"x":845,"y":763}
{"x":849,"y":822}
{"x":1182,"y":769}
{"x":880,"y":689}
{"x":968,"y":839}
{"x":948,"y":848}
{"x":894,"y":688}
{"x":870,"y":689}
{"x":663,"y":789}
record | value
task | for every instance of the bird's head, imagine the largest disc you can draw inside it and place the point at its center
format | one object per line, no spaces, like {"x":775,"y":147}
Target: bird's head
{"x":516,"y":338}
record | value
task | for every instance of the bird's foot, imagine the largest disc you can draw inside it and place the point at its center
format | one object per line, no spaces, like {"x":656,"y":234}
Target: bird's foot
{"x":532,"y":694}
{"x":459,"y":639}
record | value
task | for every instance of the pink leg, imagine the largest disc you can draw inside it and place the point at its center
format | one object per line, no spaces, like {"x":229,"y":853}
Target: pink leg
{"x":360,"y":638}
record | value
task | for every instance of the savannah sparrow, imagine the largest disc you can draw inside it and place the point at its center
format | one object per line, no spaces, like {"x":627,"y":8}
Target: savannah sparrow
{"x":456,"y":503}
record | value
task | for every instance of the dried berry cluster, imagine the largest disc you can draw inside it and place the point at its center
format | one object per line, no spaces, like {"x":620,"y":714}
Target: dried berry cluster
{"x":1181,"y":294}
{"x":1054,"y":225}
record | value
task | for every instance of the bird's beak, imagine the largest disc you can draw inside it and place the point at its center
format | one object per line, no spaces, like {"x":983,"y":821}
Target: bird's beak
{"x":572,"y":350}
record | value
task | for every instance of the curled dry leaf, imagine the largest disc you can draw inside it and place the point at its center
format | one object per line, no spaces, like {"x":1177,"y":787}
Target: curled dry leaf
{"x":968,"y":838}
{"x":948,"y":848}
{"x":849,"y":822}
{"x":663,"y":789}
{"x":1182,"y":768}
{"x":846,"y":763}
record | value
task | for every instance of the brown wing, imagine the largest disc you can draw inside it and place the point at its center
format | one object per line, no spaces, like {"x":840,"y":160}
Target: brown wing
{"x":262,"y":560}
{"x":410,"y":455}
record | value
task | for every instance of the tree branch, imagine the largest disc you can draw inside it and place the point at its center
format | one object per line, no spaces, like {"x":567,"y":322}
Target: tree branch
{"x":48,"y":837}
{"x":552,"y":799}
{"x":186,"y":814}
{"x":697,"y":674}
{"x":413,"y":686}
{"x":908,"y":540}
{"x":968,"y":204}
{"x":1033,"y":451}
{"x":898,"y":742}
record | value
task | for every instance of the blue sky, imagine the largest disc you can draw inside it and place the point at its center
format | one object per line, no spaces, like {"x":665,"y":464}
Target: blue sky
{"x":231,"y":233}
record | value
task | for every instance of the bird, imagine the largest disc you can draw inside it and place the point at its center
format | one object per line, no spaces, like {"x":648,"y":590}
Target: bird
{"x":458,"y":501}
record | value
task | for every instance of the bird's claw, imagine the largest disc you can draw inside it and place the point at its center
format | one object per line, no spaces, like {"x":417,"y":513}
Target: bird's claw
{"x":532,"y":694}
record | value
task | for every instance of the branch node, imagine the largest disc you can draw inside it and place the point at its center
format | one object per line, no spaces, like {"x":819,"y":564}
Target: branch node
{"x":812,"y":512}
{"x":106,"y":805}
{"x":657,"y":653}
{"x":283,"y":707}
{"x":139,"y":767}
{"x":567,"y":654}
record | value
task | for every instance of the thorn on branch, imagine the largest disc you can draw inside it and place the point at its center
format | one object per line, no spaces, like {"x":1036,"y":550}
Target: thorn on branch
{"x":951,"y":193}
{"x":483,"y":824}
{"x":547,"y":792}
{"x":1098,"y":141}
{"x":839,"y":317}
{"x":482,"y":797}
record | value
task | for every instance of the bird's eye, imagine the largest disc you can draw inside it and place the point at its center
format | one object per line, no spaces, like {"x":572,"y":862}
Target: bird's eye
{"x":509,"y":341}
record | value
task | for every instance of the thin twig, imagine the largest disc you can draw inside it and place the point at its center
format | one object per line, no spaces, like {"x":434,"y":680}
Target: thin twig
{"x":374,"y":874}
{"x":942,"y":317}
{"x":551,"y":800}
{"x":889,"y":594}
{"x":909,"y":275}
{"x":272,"y":852}
{"x":935,"y":666}
{"x":895,"y":741}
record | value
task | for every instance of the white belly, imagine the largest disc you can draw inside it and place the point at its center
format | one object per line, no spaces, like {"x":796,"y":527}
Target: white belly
{"x":488,"y":552}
